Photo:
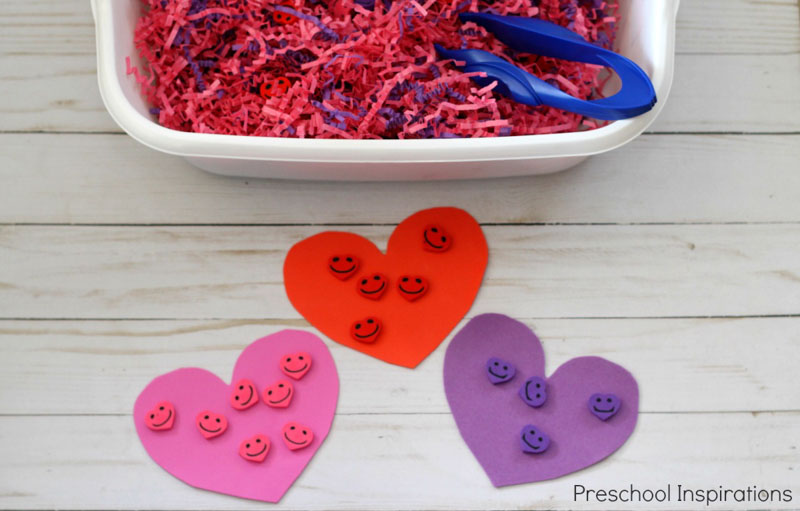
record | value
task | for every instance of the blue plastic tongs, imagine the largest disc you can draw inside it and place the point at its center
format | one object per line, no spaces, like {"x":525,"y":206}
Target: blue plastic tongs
{"x":532,"y":35}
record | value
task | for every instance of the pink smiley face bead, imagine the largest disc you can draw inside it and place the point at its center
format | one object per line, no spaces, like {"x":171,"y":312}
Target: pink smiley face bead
{"x":211,"y":424}
{"x":244,"y":394}
{"x":161,"y":417}
{"x":296,"y":365}
{"x":255,"y":448}
{"x":279,"y":394}
{"x":296,"y":436}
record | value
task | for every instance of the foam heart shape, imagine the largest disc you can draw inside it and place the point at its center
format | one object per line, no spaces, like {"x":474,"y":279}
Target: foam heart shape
{"x":494,"y":420}
{"x":410,"y":329}
{"x":218,"y":464}
{"x":210,"y":424}
{"x":255,"y":448}
{"x":279,"y":394}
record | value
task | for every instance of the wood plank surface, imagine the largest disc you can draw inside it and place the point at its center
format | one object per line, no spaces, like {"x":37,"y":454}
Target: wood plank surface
{"x":682,"y":365}
{"x":398,"y":462}
{"x":110,"y":179}
{"x":198,"y":272}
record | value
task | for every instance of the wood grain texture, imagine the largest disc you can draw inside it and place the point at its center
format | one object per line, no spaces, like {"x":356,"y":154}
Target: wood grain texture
{"x":534,"y":271}
{"x":682,"y":365}
{"x":733,"y":93}
{"x":655,"y":179}
{"x":738,"y":26}
{"x":404,"y":462}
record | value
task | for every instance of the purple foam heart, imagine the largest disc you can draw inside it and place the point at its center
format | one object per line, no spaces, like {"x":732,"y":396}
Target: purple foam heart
{"x":491,"y":417}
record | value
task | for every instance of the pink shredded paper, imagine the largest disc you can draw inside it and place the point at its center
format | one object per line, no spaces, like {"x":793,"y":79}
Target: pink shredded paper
{"x":355,"y":68}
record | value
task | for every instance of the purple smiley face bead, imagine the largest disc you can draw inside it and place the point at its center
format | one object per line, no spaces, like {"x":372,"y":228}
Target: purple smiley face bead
{"x":533,"y":440}
{"x":604,"y":406}
{"x":499,"y":371}
{"x":534,"y":391}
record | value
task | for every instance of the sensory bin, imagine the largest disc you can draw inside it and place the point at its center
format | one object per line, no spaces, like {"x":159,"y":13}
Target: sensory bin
{"x":362,"y":69}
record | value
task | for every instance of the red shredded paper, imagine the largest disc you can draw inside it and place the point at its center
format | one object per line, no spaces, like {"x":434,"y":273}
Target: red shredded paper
{"x":355,"y":68}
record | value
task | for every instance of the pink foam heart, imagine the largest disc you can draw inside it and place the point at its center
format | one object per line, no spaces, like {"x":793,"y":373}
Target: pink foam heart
{"x":216,"y":464}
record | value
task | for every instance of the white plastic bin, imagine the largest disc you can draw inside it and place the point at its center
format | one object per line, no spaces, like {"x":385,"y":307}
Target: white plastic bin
{"x":646,"y":34}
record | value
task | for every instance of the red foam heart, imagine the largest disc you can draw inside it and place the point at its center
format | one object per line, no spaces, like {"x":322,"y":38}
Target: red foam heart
{"x":452,"y":258}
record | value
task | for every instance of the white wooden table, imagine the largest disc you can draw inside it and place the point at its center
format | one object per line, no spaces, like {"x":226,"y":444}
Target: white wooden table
{"x":677,"y":256}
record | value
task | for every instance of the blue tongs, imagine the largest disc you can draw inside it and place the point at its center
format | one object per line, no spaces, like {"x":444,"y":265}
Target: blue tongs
{"x":532,"y":35}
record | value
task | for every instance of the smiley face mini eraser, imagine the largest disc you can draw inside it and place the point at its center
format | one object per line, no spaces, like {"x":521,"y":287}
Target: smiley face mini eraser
{"x":533,"y":440}
{"x":436,"y":239}
{"x":366,"y":330}
{"x":255,"y":448}
{"x":499,"y":371}
{"x":296,"y":365}
{"x":279,"y":394}
{"x":296,"y":436}
{"x":211,"y":424}
{"x":604,"y":406}
{"x":534,"y":391}
{"x":412,"y":287}
{"x":160,"y":417}
{"x":373,"y":286}
{"x":343,"y":266}
{"x":244,"y":394}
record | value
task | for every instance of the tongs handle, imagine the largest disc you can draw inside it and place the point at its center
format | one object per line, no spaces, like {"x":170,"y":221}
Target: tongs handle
{"x":532,"y":35}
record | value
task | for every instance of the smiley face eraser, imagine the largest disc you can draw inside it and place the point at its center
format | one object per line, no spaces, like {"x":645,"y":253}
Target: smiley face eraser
{"x":211,"y":424}
{"x":161,"y":417}
{"x":284,"y":18}
{"x":534,"y":391}
{"x":533,"y":440}
{"x":366,"y":330}
{"x":296,"y":365}
{"x":279,"y":394}
{"x":412,"y":287}
{"x":343,"y":266}
{"x":499,"y":371}
{"x":255,"y":448}
{"x":604,"y":406}
{"x":244,"y":394}
{"x":296,"y":436}
{"x":373,"y":286}
{"x":435,"y":238}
